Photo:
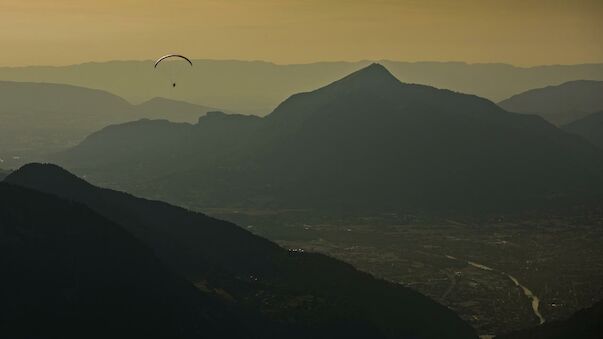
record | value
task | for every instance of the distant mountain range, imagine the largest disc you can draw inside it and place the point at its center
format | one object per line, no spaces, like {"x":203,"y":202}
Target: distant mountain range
{"x":365,"y":141}
{"x":255,"y":87}
{"x":560,"y":104}
{"x":244,"y":283}
{"x":585,"y":324}
{"x":172,"y":110}
{"x":589,"y":127}
{"x":39,"y":118}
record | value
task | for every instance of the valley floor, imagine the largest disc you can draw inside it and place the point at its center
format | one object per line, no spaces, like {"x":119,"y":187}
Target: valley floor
{"x":468,"y":266}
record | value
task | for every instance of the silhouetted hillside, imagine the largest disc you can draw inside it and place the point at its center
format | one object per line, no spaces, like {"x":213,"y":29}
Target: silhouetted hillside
{"x":589,"y":127}
{"x":41,"y":118}
{"x":3,"y":174}
{"x":585,"y":324}
{"x":365,"y":141}
{"x":255,"y":87}
{"x":147,"y":142}
{"x":560,"y":104}
{"x":313,"y":294}
{"x":68,"y":272}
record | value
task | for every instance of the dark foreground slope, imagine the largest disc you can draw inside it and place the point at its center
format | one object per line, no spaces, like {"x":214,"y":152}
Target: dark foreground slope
{"x":584,"y":324}
{"x":317,"y":295}
{"x":365,"y":141}
{"x":3,"y":174}
{"x":589,"y":127}
{"x":561,"y":104}
{"x":68,"y":272}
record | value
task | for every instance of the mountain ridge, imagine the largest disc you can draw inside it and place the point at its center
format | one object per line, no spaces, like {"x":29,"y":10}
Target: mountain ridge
{"x":560,"y":104}
{"x":67,"y":270}
{"x":43,"y":118}
{"x":589,"y":127}
{"x":233,"y":85}
{"x":404,"y":145}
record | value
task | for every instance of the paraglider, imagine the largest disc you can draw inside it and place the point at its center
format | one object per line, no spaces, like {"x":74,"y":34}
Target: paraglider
{"x":173,"y":69}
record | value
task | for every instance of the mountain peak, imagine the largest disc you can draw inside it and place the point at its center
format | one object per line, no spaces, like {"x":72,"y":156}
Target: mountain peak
{"x":42,"y":168}
{"x":364,"y":87}
{"x":372,"y":75}
{"x":45,"y":175}
{"x":375,"y":67}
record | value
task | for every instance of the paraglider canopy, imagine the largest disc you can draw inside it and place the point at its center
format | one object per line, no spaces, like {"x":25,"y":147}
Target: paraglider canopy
{"x":172,"y":67}
{"x":172,"y":56}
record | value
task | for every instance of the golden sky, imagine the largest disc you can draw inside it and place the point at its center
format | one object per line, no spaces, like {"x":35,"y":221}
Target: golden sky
{"x":520,"y":32}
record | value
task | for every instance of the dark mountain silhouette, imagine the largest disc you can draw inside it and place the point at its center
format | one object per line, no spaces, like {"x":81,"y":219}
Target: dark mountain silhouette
{"x":365,"y":141}
{"x":584,"y":324}
{"x":68,"y":272}
{"x":146,"y":142}
{"x":560,"y":104}
{"x":255,"y":87}
{"x":316,"y":295}
{"x":3,"y":174}
{"x":589,"y":127}
{"x":41,"y":118}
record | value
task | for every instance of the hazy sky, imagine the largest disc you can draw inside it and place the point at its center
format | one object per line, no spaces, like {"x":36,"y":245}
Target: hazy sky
{"x":521,"y":32}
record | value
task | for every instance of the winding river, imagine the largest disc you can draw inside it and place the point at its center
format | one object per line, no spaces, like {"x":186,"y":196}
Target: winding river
{"x":526,"y":291}
{"x":529,"y":294}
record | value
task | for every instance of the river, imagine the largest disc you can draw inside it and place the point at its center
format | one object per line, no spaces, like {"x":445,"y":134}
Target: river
{"x":526,"y":291}
{"x":529,"y":294}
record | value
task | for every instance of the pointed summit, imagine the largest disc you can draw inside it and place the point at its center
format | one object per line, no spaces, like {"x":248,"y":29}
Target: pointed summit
{"x":362,"y":87}
{"x":373,"y":71}
{"x":374,"y":75}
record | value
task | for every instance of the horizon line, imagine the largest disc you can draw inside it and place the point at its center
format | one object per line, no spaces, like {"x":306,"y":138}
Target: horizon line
{"x":301,"y":63}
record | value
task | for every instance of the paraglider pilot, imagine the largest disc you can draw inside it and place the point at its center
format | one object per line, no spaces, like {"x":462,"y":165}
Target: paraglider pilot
{"x":173,"y":56}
